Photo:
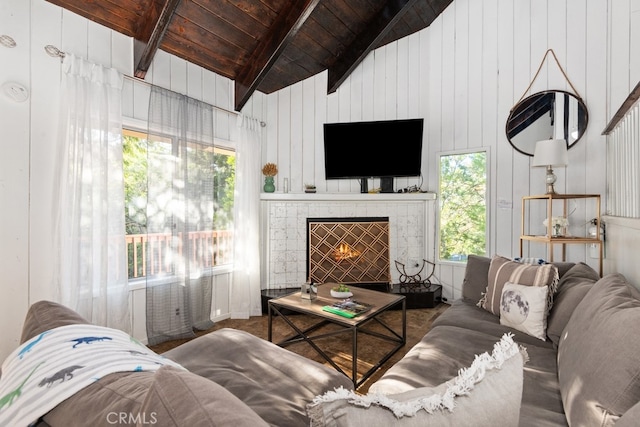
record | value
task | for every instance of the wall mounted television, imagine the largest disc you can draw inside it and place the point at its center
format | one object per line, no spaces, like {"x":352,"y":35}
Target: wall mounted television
{"x":376,"y":149}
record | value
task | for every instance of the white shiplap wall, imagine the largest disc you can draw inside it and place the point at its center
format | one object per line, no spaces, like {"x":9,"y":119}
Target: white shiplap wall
{"x":623,"y":233}
{"x":463,"y":74}
{"x":28,"y":134}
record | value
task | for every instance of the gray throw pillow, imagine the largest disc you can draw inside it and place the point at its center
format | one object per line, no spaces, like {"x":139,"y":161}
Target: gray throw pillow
{"x":598,"y":369}
{"x":572,"y":288}
{"x":475,"y":277}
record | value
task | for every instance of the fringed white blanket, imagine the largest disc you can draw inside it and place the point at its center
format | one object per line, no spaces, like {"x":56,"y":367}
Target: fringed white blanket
{"x":58,"y":363}
{"x":461,"y":385}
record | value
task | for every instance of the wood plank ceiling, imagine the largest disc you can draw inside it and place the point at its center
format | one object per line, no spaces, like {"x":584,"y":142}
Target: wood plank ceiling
{"x":263,"y":45}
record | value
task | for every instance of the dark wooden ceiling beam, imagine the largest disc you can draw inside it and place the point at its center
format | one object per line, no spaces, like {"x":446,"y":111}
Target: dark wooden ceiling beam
{"x":270,"y":48}
{"x":373,"y":32}
{"x":144,"y":52}
{"x":622,"y":111}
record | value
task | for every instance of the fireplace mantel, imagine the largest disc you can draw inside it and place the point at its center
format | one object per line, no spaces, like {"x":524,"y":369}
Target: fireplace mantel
{"x":355,"y":197}
{"x":283,"y":228}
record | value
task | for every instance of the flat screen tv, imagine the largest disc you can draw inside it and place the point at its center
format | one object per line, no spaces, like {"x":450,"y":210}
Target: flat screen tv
{"x":384,"y":149}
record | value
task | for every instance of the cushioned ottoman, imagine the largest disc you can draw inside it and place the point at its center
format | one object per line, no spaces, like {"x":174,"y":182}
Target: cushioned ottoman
{"x":274,"y":382}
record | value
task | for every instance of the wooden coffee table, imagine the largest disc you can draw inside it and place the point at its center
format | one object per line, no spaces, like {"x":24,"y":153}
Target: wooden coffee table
{"x":380,"y":302}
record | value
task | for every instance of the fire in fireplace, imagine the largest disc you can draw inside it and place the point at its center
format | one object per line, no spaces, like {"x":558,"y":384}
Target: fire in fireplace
{"x":348,"y":250}
{"x":345,"y":252}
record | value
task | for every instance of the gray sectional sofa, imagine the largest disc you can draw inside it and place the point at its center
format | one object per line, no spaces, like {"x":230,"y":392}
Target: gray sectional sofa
{"x":586,"y":371}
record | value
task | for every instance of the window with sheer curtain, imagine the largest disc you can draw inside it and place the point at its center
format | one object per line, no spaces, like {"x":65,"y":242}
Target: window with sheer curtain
{"x":181,"y":211}
{"x":212,"y":242}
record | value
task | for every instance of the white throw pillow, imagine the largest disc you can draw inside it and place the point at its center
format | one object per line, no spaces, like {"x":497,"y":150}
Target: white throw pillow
{"x":488,"y":393}
{"x":525,"y":308}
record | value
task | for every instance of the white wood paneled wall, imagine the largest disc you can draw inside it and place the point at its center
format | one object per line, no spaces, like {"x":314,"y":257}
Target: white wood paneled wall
{"x":28,"y":149}
{"x":623,"y":161}
{"x":463,"y":74}
{"x":623,"y":234}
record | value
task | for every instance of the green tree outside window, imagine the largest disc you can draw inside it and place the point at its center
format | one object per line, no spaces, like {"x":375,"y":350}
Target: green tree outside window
{"x":215,"y":165}
{"x":463,"y":207}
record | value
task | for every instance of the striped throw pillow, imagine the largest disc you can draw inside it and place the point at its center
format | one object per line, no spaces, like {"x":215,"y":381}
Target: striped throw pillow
{"x":503,"y":270}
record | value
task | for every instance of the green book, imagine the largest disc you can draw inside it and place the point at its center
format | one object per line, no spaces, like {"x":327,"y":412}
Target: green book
{"x":347,"y":308}
{"x":339,"y":312}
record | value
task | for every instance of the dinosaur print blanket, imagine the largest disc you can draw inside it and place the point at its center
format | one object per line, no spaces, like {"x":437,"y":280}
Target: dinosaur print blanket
{"x":58,"y":363}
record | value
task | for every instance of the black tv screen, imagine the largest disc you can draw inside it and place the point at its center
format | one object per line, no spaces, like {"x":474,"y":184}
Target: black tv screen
{"x":373,"y":149}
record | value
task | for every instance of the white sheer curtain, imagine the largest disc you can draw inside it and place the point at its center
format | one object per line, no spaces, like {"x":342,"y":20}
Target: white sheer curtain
{"x":182,"y":203}
{"x":245,"y":289}
{"x":91,"y":261}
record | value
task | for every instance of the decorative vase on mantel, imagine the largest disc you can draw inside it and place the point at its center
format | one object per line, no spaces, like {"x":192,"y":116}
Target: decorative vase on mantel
{"x":269,"y":170}
{"x":269,"y":186}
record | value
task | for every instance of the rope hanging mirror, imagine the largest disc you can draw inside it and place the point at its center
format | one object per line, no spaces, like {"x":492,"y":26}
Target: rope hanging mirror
{"x":550,"y":114}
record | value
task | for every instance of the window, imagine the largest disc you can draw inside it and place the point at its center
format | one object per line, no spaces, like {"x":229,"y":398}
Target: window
{"x":210,"y":238}
{"x":463,"y":208}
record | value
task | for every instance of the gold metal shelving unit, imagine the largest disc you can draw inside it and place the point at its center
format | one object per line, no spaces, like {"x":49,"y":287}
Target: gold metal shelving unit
{"x":551,"y":240}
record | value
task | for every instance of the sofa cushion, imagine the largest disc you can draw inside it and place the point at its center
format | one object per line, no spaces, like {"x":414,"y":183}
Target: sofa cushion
{"x":121,"y":392}
{"x":572,"y":287}
{"x":486,"y":393}
{"x":112,"y":393}
{"x":45,"y":315}
{"x":630,"y":418}
{"x":182,"y":398}
{"x":466,"y":314}
{"x":276,"y":383}
{"x":118,"y":393}
{"x":503,"y":270}
{"x":525,"y":308}
{"x":598,"y":367}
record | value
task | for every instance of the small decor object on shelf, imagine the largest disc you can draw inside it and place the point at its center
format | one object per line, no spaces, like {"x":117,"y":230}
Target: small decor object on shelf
{"x":341,"y":291}
{"x":559,"y":226}
{"x":269,"y":170}
{"x":309,"y":188}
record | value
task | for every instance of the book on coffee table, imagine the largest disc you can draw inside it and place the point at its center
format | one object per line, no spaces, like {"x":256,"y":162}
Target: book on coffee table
{"x":347,"y":308}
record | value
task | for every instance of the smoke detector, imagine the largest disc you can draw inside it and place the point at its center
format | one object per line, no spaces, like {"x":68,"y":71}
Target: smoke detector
{"x":15,"y":91}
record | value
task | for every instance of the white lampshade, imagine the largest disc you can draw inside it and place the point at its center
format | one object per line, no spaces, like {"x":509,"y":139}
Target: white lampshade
{"x":551,"y":152}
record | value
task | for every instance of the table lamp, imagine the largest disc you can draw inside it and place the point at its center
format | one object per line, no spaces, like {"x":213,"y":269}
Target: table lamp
{"x":550,"y":153}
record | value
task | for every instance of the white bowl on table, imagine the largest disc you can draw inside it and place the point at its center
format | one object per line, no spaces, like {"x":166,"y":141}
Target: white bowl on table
{"x":337,"y":294}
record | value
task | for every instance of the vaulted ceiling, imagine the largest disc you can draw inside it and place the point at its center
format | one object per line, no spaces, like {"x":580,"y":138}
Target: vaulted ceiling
{"x":263,"y":45}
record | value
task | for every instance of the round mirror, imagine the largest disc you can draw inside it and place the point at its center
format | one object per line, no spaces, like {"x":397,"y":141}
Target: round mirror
{"x":553,"y":114}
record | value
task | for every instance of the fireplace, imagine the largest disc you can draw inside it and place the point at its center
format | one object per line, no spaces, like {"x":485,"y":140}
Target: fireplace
{"x":349,"y":250}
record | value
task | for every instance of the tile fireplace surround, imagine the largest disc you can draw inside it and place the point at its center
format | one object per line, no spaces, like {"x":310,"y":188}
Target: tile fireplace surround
{"x":284,"y":228}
